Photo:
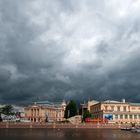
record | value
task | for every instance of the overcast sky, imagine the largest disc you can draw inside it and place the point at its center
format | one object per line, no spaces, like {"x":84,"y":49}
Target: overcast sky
{"x":69,"y":49}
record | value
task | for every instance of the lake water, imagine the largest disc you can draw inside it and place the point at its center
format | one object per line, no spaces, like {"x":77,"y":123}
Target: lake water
{"x":67,"y":134}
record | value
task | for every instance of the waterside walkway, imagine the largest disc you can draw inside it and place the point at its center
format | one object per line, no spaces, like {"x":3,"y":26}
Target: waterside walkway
{"x":60,"y":126}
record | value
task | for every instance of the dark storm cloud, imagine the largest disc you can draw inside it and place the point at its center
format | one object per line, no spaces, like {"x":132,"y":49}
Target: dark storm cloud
{"x":55,"y":50}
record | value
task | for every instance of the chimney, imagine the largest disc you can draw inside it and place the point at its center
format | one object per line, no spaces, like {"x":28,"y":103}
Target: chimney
{"x":123,"y":100}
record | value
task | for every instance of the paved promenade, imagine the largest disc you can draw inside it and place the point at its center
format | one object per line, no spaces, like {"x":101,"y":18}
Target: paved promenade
{"x":54,"y":125}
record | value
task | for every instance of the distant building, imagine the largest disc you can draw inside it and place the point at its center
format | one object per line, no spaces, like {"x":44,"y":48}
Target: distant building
{"x":116,"y":112}
{"x":86,"y":106}
{"x":45,"y":111}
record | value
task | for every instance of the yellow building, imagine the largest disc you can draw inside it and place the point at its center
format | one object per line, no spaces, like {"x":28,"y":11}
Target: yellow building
{"x":45,"y":111}
{"x":86,"y":106}
{"x":116,"y":112}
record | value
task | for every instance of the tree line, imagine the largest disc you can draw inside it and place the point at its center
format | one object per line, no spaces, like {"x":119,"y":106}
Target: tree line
{"x":6,"y":110}
{"x":70,"y":111}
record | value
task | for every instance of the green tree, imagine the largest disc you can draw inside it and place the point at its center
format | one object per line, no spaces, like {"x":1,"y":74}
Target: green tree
{"x":0,"y":118}
{"x":86,"y":114}
{"x":7,"y":109}
{"x":71,"y":109}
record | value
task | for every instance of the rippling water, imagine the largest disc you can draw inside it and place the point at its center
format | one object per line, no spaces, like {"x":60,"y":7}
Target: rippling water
{"x":67,"y":134}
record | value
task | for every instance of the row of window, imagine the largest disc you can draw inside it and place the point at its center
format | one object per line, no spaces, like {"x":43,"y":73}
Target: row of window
{"x":34,"y":112}
{"x":121,"y":116}
{"x":125,"y":116}
{"x":52,"y":114}
{"x":118,"y":108}
{"x":112,"y":108}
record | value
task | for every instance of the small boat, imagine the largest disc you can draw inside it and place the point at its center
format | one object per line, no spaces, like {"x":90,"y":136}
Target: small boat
{"x":136,"y":130}
{"x":126,"y":129}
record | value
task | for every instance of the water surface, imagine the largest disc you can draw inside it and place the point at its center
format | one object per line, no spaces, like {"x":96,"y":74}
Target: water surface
{"x":67,"y":134}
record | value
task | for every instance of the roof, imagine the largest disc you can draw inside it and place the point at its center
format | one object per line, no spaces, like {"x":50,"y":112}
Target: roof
{"x":47,"y":103}
{"x":135,"y":104}
{"x":44,"y":102}
{"x":111,"y":101}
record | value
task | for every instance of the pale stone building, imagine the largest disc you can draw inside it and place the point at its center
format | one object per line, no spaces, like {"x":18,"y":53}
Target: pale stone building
{"x":45,"y":111}
{"x":116,"y":112}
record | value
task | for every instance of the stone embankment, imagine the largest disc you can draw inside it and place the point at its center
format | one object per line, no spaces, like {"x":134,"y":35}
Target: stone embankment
{"x":60,"y":126}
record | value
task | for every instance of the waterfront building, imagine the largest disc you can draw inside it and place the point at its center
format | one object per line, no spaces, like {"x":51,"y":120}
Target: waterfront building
{"x":45,"y":111}
{"x":116,"y":111}
{"x":87,"y":106}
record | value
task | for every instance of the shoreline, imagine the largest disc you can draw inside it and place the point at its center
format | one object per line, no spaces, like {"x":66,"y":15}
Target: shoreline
{"x":11,"y":125}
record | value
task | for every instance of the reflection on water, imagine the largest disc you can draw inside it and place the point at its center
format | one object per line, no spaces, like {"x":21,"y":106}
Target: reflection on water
{"x":67,"y":134}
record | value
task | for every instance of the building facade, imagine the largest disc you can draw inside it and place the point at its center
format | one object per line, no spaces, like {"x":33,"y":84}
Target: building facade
{"x":87,"y":106}
{"x":45,"y":112}
{"x":116,"y":112}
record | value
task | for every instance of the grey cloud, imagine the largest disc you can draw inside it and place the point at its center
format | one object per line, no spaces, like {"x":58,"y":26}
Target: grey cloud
{"x":55,"y":50}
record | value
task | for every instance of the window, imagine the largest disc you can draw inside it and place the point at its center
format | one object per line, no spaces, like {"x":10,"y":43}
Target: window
{"x":126,"y":116}
{"x":130,"y":116}
{"x":105,"y":108}
{"x":121,"y":116}
{"x":112,"y":108}
{"x":135,"y":116}
{"x":124,"y":108}
{"x":116,"y":116}
{"x":32,"y":112}
{"x":118,"y":108}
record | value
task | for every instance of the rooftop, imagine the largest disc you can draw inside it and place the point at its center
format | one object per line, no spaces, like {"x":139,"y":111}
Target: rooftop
{"x":48,"y":104}
{"x":112,"y":101}
{"x":136,"y":104}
